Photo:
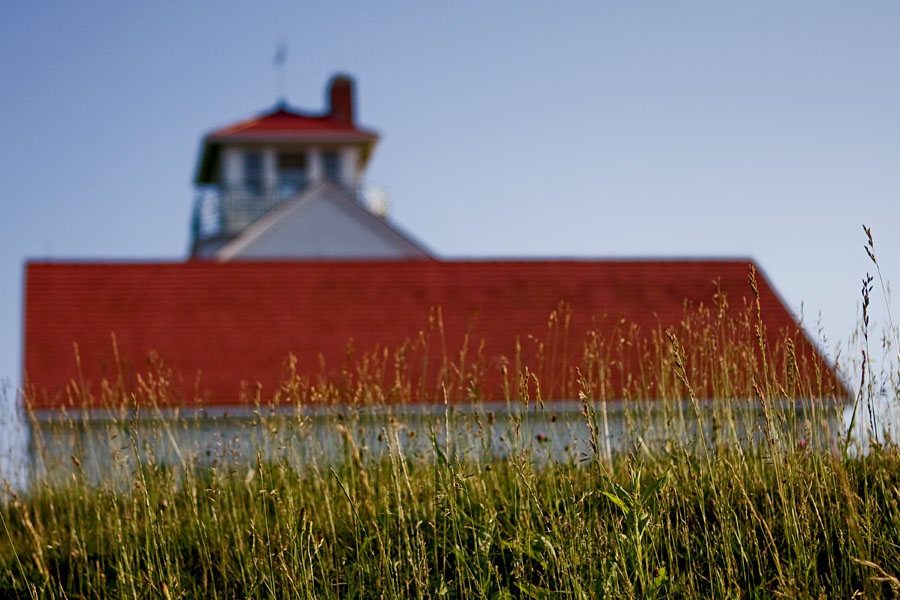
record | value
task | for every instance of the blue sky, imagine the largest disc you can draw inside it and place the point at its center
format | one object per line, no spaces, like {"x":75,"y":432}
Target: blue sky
{"x":509,"y":129}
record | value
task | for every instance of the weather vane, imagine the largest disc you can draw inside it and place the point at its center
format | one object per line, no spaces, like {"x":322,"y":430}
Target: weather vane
{"x":280,"y":82}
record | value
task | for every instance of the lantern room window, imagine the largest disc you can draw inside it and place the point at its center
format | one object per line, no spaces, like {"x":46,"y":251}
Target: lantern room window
{"x":292,"y":173}
{"x":331,"y":166}
{"x":253,"y":172}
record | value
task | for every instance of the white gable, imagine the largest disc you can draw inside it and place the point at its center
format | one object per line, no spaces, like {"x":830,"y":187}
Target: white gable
{"x":325,"y":221}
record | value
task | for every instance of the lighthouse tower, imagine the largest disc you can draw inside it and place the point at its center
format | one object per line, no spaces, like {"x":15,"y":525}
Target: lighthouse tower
{"x":287,"y":184}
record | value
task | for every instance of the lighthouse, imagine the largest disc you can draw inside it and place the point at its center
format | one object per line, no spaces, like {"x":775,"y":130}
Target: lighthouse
{"x":288,"y":184}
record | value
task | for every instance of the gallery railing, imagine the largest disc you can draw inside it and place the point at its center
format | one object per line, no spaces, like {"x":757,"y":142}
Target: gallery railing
{"x":221,"y":212}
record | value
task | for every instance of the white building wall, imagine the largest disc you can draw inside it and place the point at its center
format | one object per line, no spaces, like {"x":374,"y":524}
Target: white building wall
{"x":314,"y":155}
{"x":270,"y":167}
{"x":232,"y":166}
{"x":321,"y":228}
{"x":349,"y":160}
{"x":14,"y":458}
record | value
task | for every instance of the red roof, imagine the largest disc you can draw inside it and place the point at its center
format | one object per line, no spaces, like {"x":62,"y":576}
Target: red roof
{"x":283,"y":124}
{"x":280,"y":126}
{"x":219,"y":324}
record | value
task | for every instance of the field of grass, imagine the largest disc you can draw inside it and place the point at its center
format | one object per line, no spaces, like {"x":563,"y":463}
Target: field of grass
{"x":748,"y":489}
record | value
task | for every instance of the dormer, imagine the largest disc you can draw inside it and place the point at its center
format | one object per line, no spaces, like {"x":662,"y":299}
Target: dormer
{"x":247,"y":170}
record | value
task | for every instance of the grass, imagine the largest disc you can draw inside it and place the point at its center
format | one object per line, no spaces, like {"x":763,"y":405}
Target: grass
{"x":731,"y":476}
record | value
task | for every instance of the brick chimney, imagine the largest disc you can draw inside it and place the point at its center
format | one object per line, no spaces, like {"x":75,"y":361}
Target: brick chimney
{"x":341,"y":97}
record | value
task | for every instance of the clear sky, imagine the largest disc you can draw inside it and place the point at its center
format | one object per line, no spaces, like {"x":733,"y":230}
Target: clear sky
{"x":763,"y":129}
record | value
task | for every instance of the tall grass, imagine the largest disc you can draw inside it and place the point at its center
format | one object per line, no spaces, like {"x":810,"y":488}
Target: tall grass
{"x":698,"y":462}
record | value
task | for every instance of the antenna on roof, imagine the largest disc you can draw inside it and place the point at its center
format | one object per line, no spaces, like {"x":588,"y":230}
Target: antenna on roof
{"x":280,"y":84}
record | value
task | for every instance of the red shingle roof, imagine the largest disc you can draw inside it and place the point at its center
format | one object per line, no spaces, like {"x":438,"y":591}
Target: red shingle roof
{"x":238,"y":321}
{"x":283,"y":124}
